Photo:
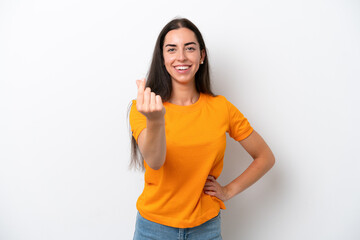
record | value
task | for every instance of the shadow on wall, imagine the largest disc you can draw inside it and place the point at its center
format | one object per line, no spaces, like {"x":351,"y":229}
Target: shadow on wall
{"x":252,"y":209}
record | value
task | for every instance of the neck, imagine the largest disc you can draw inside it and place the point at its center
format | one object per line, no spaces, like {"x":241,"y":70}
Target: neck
{"x":184,"y":94}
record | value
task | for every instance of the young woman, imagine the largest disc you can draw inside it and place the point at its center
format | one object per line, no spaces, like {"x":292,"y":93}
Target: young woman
{"x":180,"y":127}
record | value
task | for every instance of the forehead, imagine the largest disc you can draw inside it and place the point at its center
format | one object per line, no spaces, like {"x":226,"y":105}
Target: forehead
{"x":180,"y":36}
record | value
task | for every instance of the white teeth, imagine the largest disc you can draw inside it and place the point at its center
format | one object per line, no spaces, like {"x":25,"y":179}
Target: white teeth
{"x":182,"y":67}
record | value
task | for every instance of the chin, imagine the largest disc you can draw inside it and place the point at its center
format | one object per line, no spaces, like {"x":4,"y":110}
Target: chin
{"x":182,"y":80}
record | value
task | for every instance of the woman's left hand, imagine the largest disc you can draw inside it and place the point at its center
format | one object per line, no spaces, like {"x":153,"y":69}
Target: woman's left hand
{"x":213,"y":188}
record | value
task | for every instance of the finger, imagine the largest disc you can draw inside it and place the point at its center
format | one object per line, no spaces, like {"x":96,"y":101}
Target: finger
{"x":152,"y":101}
{"x":210,"y":193}
{"x":141,"y":87}
{"x":141,"y":83}
{"x":210,"y":188}
{"x":158,"y":100}
{"x":211,"y":178}
{"x":147,"y":98}
{"x":208,"y":184}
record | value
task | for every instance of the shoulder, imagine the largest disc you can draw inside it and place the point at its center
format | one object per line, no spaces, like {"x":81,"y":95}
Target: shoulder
{"x":224,"y":104}
{"x":132,"y":104}
{"x":218,"y":104}
{"x":216,"y":100}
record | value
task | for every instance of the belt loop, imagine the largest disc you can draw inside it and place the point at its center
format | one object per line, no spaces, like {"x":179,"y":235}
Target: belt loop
{"x":181,"y":234}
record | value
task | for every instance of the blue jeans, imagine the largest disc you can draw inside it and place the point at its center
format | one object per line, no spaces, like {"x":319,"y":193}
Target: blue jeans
{"x":147,"y":230}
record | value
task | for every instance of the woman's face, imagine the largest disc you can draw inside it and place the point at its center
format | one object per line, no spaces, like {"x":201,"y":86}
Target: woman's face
{"x":182,"y":55}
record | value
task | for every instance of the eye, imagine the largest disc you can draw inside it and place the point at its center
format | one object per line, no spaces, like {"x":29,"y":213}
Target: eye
{"x":190,"y":49}
{"x":170,"y":50}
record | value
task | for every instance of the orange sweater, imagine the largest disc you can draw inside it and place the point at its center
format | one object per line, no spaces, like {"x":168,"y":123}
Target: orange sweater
{"x":195,"y":147}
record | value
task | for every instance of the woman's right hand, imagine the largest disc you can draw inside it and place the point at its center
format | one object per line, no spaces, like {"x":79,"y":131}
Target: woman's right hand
{"x":148,"y":103}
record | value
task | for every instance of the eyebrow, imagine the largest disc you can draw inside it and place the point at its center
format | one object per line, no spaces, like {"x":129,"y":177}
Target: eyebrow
{"x":174,"y":45}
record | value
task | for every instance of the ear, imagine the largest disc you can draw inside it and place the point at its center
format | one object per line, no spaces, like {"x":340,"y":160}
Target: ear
{"x":202,"y":55}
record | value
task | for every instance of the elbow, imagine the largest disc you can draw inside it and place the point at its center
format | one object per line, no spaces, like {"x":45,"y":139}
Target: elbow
{"x":155,"y":164}
{"x":155,"y":167}
{"x":271,"y":160}
{"x":268,"y":160}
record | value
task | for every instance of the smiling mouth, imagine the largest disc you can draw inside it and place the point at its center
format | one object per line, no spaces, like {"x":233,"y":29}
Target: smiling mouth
{"x":182,"y":68}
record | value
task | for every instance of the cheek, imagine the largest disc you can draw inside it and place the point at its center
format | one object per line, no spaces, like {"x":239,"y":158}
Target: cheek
{"x":168,"y":64}
{"x":168,"y":60}
{"x":195,"y":58}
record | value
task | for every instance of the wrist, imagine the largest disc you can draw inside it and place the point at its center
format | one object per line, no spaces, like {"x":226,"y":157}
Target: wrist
{"x":157,"y":122}
{"x":227,"y":193}
{"x":230,"y":191}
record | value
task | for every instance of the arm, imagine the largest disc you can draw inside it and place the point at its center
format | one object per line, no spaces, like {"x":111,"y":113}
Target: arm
{"x":152,"y":140}
{"x":263,"y":162}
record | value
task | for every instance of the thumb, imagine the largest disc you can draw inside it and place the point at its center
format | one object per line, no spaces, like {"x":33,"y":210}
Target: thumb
{"x":138,"y":83}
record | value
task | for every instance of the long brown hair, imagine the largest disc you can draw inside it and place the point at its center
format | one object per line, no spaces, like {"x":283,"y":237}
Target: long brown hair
{"x":159,"y":80}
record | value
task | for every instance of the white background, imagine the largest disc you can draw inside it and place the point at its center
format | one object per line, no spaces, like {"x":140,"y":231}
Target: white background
{"x":68,"y":71}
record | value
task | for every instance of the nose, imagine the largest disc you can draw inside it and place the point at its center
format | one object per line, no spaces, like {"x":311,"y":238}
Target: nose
{"x":181,"y":56}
